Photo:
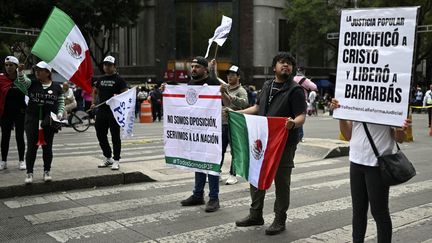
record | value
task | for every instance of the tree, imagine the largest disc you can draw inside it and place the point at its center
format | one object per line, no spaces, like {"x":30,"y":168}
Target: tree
{"x":312,"y":20}
{"x":97,"y":19}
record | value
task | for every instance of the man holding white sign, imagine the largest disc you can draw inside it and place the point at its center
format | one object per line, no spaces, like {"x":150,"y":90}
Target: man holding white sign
{"x":192,"y":131}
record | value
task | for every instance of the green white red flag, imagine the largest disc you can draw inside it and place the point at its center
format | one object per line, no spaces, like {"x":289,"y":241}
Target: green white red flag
{"x":257,"y":144}
{"x":63,"y":47}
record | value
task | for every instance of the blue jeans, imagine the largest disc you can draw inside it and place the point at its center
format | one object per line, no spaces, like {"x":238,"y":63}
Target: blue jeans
{"x":200,"y":181}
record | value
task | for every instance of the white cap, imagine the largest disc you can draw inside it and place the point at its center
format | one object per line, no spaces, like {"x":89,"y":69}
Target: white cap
{"x":233,"y":69}
{"x":109,"y":59}
{"x":44,"y":65}
{"x":12,"y":59}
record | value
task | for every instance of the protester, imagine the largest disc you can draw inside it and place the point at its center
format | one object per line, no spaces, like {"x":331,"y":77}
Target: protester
{"x":311,"y":101}
{"x":106,"y":87}
{"x":427,"y":101}
{"x":155,"y":98}
{"x":307,"y":86}
{"x":12,"y":111}
{"x":45,"y":97}
{"x":69,"y":101}
{"x":281,"y":97}
{"x":200,"y":76}
{"x":234,"y":97}
{"x":418,"y":99}
{"x":366,"y":183}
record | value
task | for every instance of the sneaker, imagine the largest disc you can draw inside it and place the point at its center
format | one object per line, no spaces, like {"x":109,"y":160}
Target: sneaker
{"x":115,"y":165}
{"x":192,"y":201}
{"x":29,"y":178}
{"x":22,"y":165}
{"x":212,"y":205}
{"x":232,"y":179}
{"x":46,"y":176}
{"x":106,"y":163}
{"x":3,"y":165}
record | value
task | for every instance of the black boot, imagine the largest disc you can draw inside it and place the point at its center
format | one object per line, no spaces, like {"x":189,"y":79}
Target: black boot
{"x":254,"y":218}
{"x":277,"y":226}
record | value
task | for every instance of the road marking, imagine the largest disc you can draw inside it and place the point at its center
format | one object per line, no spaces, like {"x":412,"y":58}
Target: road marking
{"x":87,"y":231}
{"x":400,"y":220}
{"x":38,"y":200}
{"x":223,"y":231}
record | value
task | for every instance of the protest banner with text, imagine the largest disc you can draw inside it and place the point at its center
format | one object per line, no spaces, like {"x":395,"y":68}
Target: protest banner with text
{"x":374,"y":70}
{"x":192,"y":127}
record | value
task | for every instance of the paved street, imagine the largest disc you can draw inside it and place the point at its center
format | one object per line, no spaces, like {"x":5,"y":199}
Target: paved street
{"x":320,"y":208}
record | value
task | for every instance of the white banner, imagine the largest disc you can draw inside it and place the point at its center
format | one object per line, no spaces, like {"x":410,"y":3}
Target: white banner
{"x":193,"y":127}
{"x":221,"y":33}
{"x":375,"y":59}
{"x":123,"y":109}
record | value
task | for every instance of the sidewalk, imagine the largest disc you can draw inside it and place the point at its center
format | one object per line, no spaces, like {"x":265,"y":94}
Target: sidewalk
{"x":81,"y":171}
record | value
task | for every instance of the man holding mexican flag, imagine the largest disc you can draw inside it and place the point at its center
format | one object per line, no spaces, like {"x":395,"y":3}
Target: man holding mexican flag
{"x":280,"y":97}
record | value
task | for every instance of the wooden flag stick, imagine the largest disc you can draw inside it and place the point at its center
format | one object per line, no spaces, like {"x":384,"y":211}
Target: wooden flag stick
{"x":217,"y":47}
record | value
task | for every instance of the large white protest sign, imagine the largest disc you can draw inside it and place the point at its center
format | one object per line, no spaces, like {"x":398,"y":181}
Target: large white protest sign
{"x":123,"y":109}
{"x":221,"y":33}
{"x":375,"y":64}
{"x":192,"y":127}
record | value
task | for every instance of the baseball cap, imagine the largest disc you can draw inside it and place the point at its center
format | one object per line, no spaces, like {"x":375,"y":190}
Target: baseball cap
{"x":109,"y":59}
{"x":44,"y":65}
{"x":233,"y":69}
{"x":201,"y":61}
{"x":12,"y":59}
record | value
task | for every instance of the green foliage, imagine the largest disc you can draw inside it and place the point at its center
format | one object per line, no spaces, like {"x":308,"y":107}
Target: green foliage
{"x":96,"y":18}
{"x":313,"y":19}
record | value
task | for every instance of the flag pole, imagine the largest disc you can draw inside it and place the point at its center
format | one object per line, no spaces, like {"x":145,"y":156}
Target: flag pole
{"x":217,"y":46}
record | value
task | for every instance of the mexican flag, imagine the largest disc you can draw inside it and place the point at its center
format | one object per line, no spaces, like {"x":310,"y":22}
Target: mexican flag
{"x":64,"y":48}
{"x":257,"y":144}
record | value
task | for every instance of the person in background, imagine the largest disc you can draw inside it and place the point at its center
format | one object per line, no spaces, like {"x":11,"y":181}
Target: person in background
{"x":427,"y":101}
{"x":12,"y":110}
{"x":307,"y":86}
{"x":106,"y":87}
{"x":69,"y":99}
{"x":155,"y":98}
{"x":45,"y":97}
{"x":234,"y":97}
{"x":367,"y":187}
{"x":418,"y":99}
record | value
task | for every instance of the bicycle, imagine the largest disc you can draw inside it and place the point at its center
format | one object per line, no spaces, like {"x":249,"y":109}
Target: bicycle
{"x":78,"y":120}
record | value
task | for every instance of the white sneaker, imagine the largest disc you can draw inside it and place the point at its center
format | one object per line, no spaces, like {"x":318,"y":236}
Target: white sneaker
{"x":46,"y":176}
{"x":3,"y":165}
{"x":231,"y":180}
{"x":22,"y":165}
{"x":115,"y":165}
{"x":29,"y":178}
{"x":106,"y":163}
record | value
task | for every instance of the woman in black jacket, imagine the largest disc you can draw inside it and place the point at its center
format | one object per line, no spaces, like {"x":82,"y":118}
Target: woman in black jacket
{"x":44,"y":97}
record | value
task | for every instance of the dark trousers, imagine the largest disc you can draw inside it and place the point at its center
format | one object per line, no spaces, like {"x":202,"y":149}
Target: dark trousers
{"x":282,"y":185}
{"x":225,"y":142}
{"x":156,"y":111}
{"x":32,"y":133}
{"x":105,"y":120}
{"x":200,"y":181}
{"x":367,"y":188}
{"x":7,"y":124}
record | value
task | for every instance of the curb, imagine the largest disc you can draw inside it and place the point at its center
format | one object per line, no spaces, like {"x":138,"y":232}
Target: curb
{"x":72,"y":184}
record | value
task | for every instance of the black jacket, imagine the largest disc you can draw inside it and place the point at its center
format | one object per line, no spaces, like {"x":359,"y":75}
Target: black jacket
{"x":287,"y":102}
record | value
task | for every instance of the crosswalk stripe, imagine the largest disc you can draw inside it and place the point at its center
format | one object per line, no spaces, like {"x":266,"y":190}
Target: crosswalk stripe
{"x":106,"y":227}
{"x":38,"y":200}
{"x":399,"y":220}
{"x":222,"y":231}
